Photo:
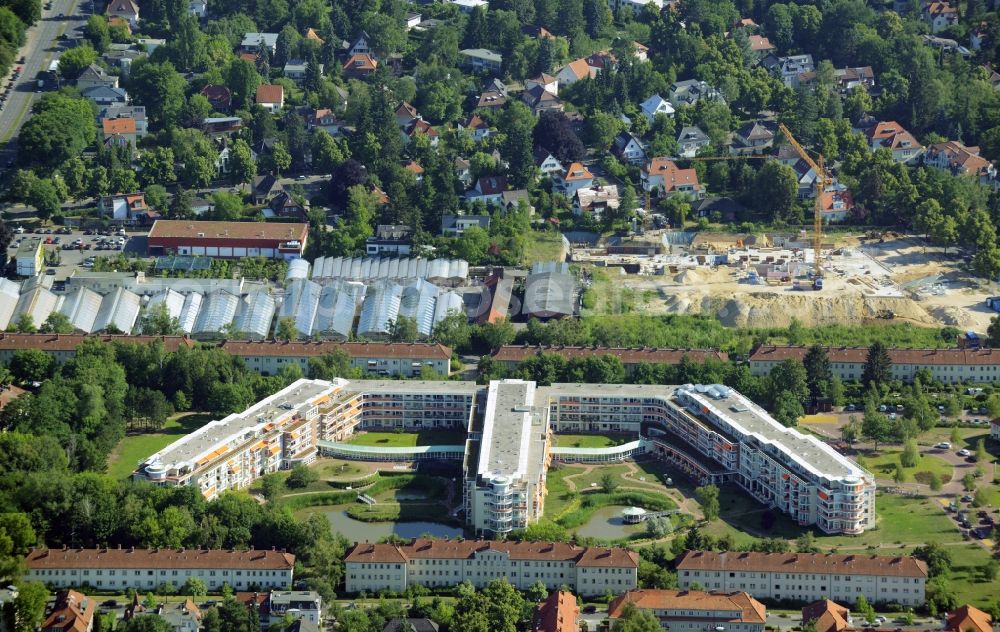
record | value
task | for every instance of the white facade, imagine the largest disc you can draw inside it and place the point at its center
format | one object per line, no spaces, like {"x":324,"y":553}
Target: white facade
{"x":30,"y":258}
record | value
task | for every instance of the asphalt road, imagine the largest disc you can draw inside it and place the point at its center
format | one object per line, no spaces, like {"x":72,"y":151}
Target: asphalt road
{"x":41,"y":47}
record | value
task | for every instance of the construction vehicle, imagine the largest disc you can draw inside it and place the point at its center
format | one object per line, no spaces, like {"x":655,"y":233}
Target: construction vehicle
{"x":823,"y":179}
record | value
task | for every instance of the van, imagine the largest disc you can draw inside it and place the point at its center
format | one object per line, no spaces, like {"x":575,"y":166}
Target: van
{"x":19,"y":230}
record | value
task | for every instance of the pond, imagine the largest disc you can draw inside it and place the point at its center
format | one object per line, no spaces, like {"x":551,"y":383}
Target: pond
{"x":606,"y":523}
{"x":358,"y":531}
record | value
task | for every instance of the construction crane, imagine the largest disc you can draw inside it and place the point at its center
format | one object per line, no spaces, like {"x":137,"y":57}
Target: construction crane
{"x":823,"y":179}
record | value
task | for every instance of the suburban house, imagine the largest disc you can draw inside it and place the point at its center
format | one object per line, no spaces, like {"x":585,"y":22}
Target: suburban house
{"x":547,"y":83}
{"x":295,"y":69}
{"x":390,"y":239}
{"x":480,"y":60}
{"x":271,"y":97}
{"x":127,"y":10}
{"x":406,"y":114}
{"x":512,"y":198}
{"x":827,"y":616}
{"x":891,"y":135}
{"x":558,"y":613}
{"x":594,"y":200}
{"x":284,"y":205}
{"x":119,"y":132}
{"x":198,"y":8}
{"x":691,"y":91}
{"x":488,"y":189}
{"x":837,"y":202}
{"x":414,"y":167}
{"x":694,"y":610}
{"x":491,"y":100}
{"x":420,"y":126}
{"x":359,"y":66}
{"x":788,"y":69}
{"x":968,"y":619}
{"x":540,"y":100}
{"x":468,"y":6}
{"x":850,"y":78}
{"x":957,"y":159}
{"x":761,"y":45}
{"x":72,"y":612}
{"x":256,"y":42}
{"x":106,"y":95}
{"x":264,"y":186}
{"x":463,"y":171}
{"x":690,"y":140}
{"x":221,"y":126}
{"x":93,"y":76}
{"x":455,"y":225}
{"x":476,"y":126}
{"x":360,"y":45}
{"x":752,"y":138}
{"x":656,"y":105}
{"x":628,"y":149}
{"x":635,"y":7}
{"x":575,"y":71}
{"x":220,"y":97}
{"x":661,"y":176}
{"x":136,"y":113}
{"x":123,"y":207}
{"x":939,"y":16}
{"x":546,"y":162}
{"x":572,"y":178}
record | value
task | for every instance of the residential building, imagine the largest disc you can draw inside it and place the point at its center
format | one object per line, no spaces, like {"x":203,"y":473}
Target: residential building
{"x":135,"y":112}
{"x":480,"y":60}
{"x":641,"y":51}
{"x":383,"y":359}
{"x":455,"y":225}
{"x":406,"y":114}
{"x":420,"y":126}
{"x":572,"y":179}
{"x":217,"y":127}
{"x":181,"y":616}
{"x":479,"y":128}
{"x":106,"y":95}
{"x":690,"y":91}
{"x":663,"y":177}
{"x":29,"y":259}
{"x":488,"y":189}
{"x":72,"y":612}
{"x":296,"y":69}
{"x":94,"y":76}
{"x":120,"y":131}
{"x":695,"y":610}
{"x":228,"y":239}
{"x":788,"y":69}
{"x":548,"y":164}
{"x":390,"y":239}
{"x":752,"y":138}
{"x":325,"y":119}
{"x":939,"y":16}
{"x":198,"y":8}
{"x":953,"y":156}
{"x":995,"y":429}
{"x":468,"y":6}
{"x":271,"y":97}
{"x":361,"y":45}
{"x":547,"y":82}
{"x":411,"y":625}
{"x":655,"y":105}
{"x":892,"y":136}
{"x":558,"y":613}
{"x":950,"y":366}
{"x":541,"y":100}
{"x":635,"y":6}
{"x":827,"y":616}
{"x":127,"y":208}
{"x":761,"y":45}
{"x":492,"y":100}
{"x":968,"y":619}
{"x":62,"y":347}
{"x":595,"y":200}
{"x":127,"y":10}
{"x":725,"y":208}
{"x":691,"y":140}
{"x":573,"y":72}
{"x":436,"y":563}
{"x":808,"y":576}
{"x":859,"y":77}
{"x":299,"y":604}
{"x":836,"y":203}
{"x":359,"y":66}
{"x":413,"y":20}
{"x":628,"y":149}
{"x":285,"y":205}
{"x":511,"y":199}
{"x":119,"y":569}
{"x":511,"y":356}
{"x":263,"y":187}
{"x":256,"y":42}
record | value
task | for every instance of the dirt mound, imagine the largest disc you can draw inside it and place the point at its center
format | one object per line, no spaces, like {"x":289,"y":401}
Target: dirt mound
{"x":768,"y":309}
{"x":954,"y":316}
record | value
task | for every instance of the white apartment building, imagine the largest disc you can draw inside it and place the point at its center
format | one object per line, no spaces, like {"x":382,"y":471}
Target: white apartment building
{"x":807,"y":576}
{"x":389,"y":359}
{"x":505,"y":482}
{"x":299,"y":604}
{"x":949,"y":366}
{"x":695,"y":610}
{"x":434,"y":563}
{"x":148,"y":569}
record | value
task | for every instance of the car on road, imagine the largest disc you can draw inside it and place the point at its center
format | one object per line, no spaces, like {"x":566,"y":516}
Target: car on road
{"x":967,"y":498}
{"x":850,"y":408}
{"x":944,"y":445}
{"x":963,"y":452}
{"x":589,"y":609}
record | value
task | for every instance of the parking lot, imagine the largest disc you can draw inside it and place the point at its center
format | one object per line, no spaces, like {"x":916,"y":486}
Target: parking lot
{"x":76,"y":246}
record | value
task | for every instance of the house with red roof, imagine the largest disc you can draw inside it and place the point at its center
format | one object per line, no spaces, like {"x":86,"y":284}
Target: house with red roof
{"x":892,"y":136}
{"x":958,"y":159}
{"x":271,"y":97}
{"x":939,"y":16}
{"x":558,"y":613}
{"x":661,"y":176}
{"x":572,"y":179}
{"x":359,"y":66}
{"x":968,"y":619}
{"x":575,"y":71}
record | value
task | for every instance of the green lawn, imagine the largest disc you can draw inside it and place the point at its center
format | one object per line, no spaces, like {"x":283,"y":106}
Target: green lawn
{"x":590,"y":440}
{"x":543,"y":246}
{"x":884,"y":464}
{"x":409,"y":439}
{"x":136,"y":447}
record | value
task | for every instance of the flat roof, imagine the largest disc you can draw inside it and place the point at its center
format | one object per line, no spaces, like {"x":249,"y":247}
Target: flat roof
{"x":513,"y":432}
{"x":176,"y":229}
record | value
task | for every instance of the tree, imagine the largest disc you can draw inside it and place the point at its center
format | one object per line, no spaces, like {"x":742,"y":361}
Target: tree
{"x":180,"y":205}
{"x":330,"y":365}
{"x":160,"y":88}
{"x":969,"y":482}
{"x":937,"y":558}
{"x":708,"y":498}
{"x":241,"y":162}
{"x":806,"y":543}
{"x":75,"y":60}
{"x":57,"y":323}
{"x":993,"y":333}
{"x":194,"y":587}
{"x":403,"y":329}
{"x":865,"y":609}
{"x":286,"y":329}
{"x":226,"y":206}
{"x":517,"y":124}
{"x":280,"y":157}
{"x":60,"y":129}
{"x":242,"y":79}
{"x":875,"y":426}
{"x":31,"y":365}
{"x":271,"y":486}
{"x":878,"y":365}
{"x":158,"y":321}
{"x":910,"y":455}
{"x":934,"y":482}
{"x":537,"y":592}
{"x":608,"y":482}
{"x":553,"y":132}
{"x":24,"y":613}
{"x":775,"y":192}
{"x":818,"y":373}
{"x":851,"y":430}
{"x":980,"y":454}
{"x":788,"y":409}
{"x":301,"y":476}
{"x":633,"y":619}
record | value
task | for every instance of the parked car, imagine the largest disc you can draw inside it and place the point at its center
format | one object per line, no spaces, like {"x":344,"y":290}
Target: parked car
{"x":967,"y":498}
{"x":944,"y":445}
{"x":963,"y":452}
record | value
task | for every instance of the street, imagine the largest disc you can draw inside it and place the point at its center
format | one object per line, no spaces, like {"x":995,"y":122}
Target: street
{"x":41,"y":47}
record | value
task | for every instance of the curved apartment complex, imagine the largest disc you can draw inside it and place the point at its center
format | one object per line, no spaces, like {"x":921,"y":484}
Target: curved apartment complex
{"x":712,"y":433}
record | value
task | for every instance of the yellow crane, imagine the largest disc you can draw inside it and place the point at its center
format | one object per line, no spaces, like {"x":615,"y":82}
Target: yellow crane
{"x":823,"y":179}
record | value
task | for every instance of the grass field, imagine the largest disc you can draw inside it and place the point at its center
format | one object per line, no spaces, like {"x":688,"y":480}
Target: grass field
{"x":590,"y":440}
{"x":136,"y":447}
{"x":543,"y":246}
{"x":884,"y":465}
{"x":409,"y":439}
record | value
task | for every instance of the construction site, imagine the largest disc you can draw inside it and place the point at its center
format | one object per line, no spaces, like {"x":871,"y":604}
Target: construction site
{"x":767,"y":280}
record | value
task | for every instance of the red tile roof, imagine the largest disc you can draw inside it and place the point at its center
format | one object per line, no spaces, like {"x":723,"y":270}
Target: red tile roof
{"x":558,"y":613}
{"x":580,"y":68}
{"x":467,"y":549}
{"x":118,"y":126}
{"x":751,"y":610}
{"x":69,"y":342}
{"x":576,"y":171}
{"x":159,"y":558}
{"x":673,"y":176}
{"x":177,"y":228}
{"x":857,"y":355}
{"x":270,"y":93}
{"x":73,"y":612}
{"x":826,"y":615}
{"x":360,"y":63}
{"x":405,"y":350}
{"x":898,"y":566}
{"x":968,"y":618}
{"x":627,"y":355}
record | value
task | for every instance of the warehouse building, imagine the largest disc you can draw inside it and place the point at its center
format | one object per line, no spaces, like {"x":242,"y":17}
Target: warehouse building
{"x":808,"y":576}
{"x":443,"y":272}
{"x":948,"y":366}
{"x":116,"y":570}
{"x":588,"y":571}
{"x":228,"y":239}
{"x":510,"y":357}
{"x":549,"y":292}
{"x":30,"y":257}
{"x":695,"y":610}
{"x":384,"y":359}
